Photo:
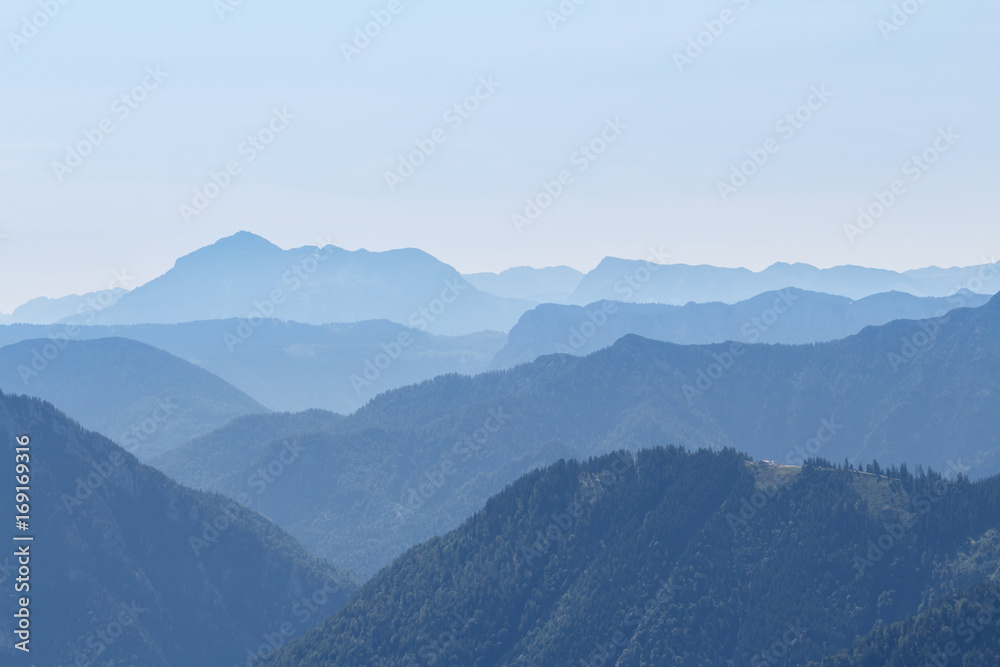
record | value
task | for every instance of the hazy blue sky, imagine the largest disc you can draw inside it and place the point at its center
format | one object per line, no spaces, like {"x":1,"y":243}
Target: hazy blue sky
{"x":323,"y":177}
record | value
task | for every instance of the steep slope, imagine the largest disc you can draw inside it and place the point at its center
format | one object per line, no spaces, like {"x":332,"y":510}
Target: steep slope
{"x":245,"y":276}
{"x":292,"y":366}
{"x":415,"y":461}
{"x":791,"y":316}
{"x":206,"y":461}
{"x":128,"y":568}
{"x":667,"y":559}
{"x":146,"y":400}
{"x":962,"y":629}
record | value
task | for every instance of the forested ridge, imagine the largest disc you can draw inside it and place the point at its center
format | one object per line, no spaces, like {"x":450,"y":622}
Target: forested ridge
{"x":675,"y":558}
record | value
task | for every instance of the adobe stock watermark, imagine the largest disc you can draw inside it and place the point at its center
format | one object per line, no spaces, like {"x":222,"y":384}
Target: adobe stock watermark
{"x":604,"y":652}
{"x":968,"y":629}
{"x":246,"y":152}
{"x":464,"y":449}
{"x":562,"y":523}
{"x":758,"y":325}
{"x":121,"y":108}
{"x":223,"y":8}
{"x":259,"y":480}
{"x":105,"y":636}
{"x":587,"y":328}
{"x":563,"y":13}
{"x":713,"y":30}
{"x":365,"y":34}
{"x":427,"y":315}
{"x":33,"y":24}
{"x":922,"y":504}
{"x":291,"y":281}
{"x":87,"y":310}
{"x":631,"y":283}
{"x":912,"y":170}
{"x":900,"y":16}
{"x":454,"y":118}
{"x":304,"y":610}
{"x":582,"y":159}
{"x":751,"y":506}
{"x":374,"y":367}
{"x":432,"y":651}
{"x":86,"y":486}
{"x":138,"y":434}
{"x":627,"y":287}
{"x":775,"y":653}
{"x":787,"y":127}
{"x":913,"y":344}
{"x":751,"y":331}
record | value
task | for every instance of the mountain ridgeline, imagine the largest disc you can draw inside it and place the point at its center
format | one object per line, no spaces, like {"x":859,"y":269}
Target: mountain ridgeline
{"x":128,"y":568}
{"x":675,"y":558}
{"x":293,"y":366}
{"x":145,"y":399}
{"x":245,"y":276}
{"x":415,"y":462}
{"x":790,"y":316}
{"x":655,"y":281}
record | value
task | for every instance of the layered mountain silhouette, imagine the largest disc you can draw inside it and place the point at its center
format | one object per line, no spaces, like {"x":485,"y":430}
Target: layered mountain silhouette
{"x":789,"y":316}
{"x":292,"y":366}
{"x":670,"y":558}
{"x":245,"y":276}
{"x":549,"y":285}
{"x":415,"y":462}
{"x":44,"y":310}
{"x":128,"y":568}
{"x":146,"y":400}
{"x":677,"y":284}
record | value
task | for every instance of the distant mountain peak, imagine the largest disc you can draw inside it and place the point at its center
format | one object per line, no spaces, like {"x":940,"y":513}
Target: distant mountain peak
{"x":244,"y":240}
{"x":236,"y":247}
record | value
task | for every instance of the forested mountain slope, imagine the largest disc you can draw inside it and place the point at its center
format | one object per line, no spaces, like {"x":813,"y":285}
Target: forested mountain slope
{"x":415,"y":462}
{"x":128,"y":568}
{"x":670,"y":558}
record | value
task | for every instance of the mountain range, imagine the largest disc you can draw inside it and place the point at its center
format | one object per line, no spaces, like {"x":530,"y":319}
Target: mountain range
{"x":127,"y":568}
{"x":246,"y":277}
{"x":790,"y":316}
{"x":292,"y":366}
{"x":673,"y":558}
{"x":146,"y":400}
{"x":415,"y":462}
{"x":371,"y":431}
{"x":656,"y":280}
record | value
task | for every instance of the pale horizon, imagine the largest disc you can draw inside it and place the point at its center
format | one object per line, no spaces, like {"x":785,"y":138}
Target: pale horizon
{"x":759,"y":146}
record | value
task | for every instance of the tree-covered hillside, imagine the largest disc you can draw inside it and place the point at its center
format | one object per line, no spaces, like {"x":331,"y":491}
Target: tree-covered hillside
{"x":146,"y":400}
{"x":128,"y":568}
{"x":670,"y":558}
{"x":417,"y":461}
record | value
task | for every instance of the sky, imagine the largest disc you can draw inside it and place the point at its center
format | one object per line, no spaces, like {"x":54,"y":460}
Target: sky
{"x":733,"y":133}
